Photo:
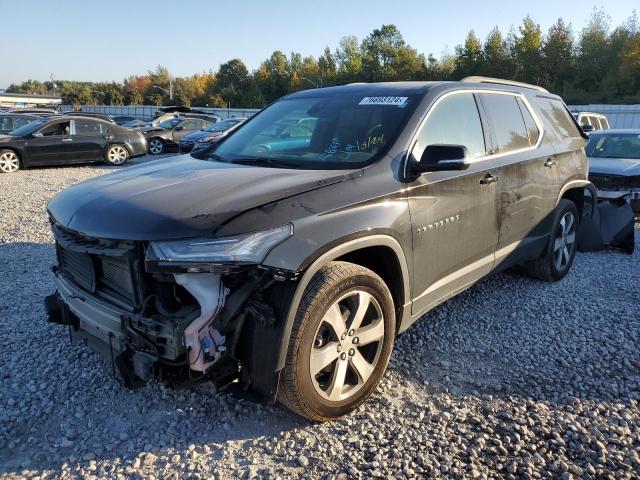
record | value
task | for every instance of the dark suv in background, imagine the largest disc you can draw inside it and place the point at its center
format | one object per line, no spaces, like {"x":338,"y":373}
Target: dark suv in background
{"x":292,"y":265}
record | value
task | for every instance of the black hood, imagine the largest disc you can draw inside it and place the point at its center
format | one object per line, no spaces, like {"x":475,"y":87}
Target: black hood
{"x":195,"y":136}
{"x":147,"y":130}
{"x":177,"y":197}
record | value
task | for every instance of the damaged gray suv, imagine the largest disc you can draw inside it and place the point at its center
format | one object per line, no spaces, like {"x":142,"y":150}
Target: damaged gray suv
{"x":290,"y":255}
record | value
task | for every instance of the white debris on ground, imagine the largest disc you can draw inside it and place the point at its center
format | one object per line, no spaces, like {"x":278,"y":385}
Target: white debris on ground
{"x":514,"y":378}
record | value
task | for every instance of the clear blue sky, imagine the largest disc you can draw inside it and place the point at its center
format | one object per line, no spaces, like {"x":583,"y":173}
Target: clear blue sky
{"x":110,"y":40}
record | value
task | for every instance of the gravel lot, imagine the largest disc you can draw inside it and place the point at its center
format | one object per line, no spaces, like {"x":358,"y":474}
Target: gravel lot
{"x":513,"y":378}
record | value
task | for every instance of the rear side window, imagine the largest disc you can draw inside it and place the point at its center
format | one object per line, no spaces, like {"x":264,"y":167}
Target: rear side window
{"x":508,"y":124}
{"x":20,"y":121}
{"x":88,"y":127}
{"x":605,"y":123}
{"x":557,"y":118}
{"x":6,"y":123}
{"x":453,"y":121}
{"x":532,"y":129}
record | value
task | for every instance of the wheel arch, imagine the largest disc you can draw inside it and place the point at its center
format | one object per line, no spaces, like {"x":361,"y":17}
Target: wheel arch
{"x":574,"y":191}
{"x":356,"y":251}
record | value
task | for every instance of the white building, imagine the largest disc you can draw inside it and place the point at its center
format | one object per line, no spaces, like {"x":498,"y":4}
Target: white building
{"x":17,"y":100}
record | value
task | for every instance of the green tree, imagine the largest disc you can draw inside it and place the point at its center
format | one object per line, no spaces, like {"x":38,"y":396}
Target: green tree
{"x":559,"y":57}
{"x":528,"y":52}
{"x":348,"y":60}
{"x":469,"y":59}
{"x":497,"y":57}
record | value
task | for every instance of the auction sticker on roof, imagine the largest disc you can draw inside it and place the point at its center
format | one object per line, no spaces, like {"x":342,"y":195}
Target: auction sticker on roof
{"x":397,"y":101}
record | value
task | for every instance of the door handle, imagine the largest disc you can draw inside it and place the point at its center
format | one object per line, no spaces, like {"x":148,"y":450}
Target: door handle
{"x":488,"y":178}
{"x":67,"y":139}
{"x":550,"y":162}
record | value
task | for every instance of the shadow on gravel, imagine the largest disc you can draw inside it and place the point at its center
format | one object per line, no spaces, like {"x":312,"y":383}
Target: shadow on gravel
{"x":510,"y":335}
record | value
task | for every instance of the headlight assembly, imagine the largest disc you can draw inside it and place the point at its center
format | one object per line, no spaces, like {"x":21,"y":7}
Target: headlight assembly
{"x":209,"y":254}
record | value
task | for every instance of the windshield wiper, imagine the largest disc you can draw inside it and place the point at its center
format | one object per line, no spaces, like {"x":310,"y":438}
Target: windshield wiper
{"x":273,"y":162}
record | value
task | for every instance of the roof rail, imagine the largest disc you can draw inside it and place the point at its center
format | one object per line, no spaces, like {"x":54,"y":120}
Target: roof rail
{"x":499,"y":81}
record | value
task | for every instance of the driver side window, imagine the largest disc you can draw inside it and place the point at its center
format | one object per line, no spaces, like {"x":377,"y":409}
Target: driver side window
{"x":453,"y":121}
{"x":57,"y":129}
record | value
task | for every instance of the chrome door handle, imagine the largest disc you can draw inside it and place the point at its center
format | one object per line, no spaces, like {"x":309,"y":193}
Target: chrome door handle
{"x":67,"y":139}
{"x":550,"y":162}
{"x":487,"y":179}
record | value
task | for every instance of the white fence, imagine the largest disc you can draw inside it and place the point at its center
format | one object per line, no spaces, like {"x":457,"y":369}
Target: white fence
{"x":147,"y":112}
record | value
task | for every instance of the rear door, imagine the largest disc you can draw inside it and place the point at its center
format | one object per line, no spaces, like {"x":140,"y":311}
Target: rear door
{"x":52,"y":144}
{"x":186,"y":127}
{"x":453,"y":214}
{"x":527,"y":185}
{"x":91,"y":138}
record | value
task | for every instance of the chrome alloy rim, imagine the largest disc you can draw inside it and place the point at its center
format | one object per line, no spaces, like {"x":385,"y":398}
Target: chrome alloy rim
{"x":565,"y":240}
{"x":155,"y":147}
{"x":9,"y":162}
{"x":347,"y":346}
{"x":117,"y":155}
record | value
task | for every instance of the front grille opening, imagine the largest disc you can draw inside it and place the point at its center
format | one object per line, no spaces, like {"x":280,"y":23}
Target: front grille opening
{"x":114,"y":281}
{"x":171,"y":298}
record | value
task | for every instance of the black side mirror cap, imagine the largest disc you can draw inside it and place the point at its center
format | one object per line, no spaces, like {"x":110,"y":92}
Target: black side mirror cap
{"x":440,"y":158}
{"x":587,"y":128}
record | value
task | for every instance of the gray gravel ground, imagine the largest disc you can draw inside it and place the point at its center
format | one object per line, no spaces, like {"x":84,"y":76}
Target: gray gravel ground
{"x":513,"y":378}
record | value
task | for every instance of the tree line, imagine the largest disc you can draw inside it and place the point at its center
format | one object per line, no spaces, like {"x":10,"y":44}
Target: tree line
{"x":599,"y":64}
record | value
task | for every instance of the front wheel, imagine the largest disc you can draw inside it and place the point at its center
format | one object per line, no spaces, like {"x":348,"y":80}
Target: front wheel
{"x":156,"y":146}
{"x":117,"y":155}
{"x":9,"y":161}
{"x":557,"y":258}
{"x":340,"y":344}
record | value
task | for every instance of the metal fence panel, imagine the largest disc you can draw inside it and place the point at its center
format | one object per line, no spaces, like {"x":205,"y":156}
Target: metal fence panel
{"x":146,"y":112}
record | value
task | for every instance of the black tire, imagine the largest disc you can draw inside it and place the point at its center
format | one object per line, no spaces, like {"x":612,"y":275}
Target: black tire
{"x":156,"y":146}
{"x":546,"y":266}
{"x":9,"y":161}
{"x":116,"y":154}
{"x":299,"y":389}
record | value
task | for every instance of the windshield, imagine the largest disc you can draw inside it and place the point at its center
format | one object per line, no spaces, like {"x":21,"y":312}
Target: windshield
{"x":325,"y":132}
{"x":222,"y":126}
{"x":614,"y":146}
{"x":28,"y":128}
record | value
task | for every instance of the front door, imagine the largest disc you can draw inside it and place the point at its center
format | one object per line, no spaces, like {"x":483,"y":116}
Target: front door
{"x":453,"y":214}
{"x":51,"y":145}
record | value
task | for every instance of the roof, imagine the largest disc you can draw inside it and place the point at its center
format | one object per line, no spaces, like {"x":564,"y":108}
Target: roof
{"x":619,"y":116}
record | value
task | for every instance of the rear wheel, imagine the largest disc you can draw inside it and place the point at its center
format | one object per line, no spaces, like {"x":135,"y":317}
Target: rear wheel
{"x":117,"y":154}
{"x":156,"y":146}
{"x":557,"y":258}
{"x":340,"y":344}
{"x":9,"y":161}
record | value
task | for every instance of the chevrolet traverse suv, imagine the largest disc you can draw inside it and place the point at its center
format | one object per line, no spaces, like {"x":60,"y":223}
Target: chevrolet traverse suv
{"x":291,"y":264}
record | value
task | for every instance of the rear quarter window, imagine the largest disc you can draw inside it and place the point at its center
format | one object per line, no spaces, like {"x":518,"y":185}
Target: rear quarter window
{"x":557,"y":118}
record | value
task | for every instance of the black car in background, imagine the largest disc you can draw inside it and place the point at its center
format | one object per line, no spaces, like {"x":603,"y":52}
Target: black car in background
{"x":168,"y":133}
{"x":11,"y":121}
{"x":65,"y":139}
{"x":211,"y":134}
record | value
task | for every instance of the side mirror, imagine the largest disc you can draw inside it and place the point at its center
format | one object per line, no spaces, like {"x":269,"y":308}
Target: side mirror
{"x":587,"y":128}
{"x":177,"y":129}
{"x":36,"y":134}
{"x":440,"y":158}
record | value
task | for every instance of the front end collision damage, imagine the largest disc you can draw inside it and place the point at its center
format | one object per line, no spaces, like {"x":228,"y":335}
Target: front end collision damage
{"x":606,"y":222}
{"x":225,"y":333}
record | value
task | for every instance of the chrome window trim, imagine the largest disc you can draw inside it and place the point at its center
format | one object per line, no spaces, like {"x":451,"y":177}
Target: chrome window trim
{"x":532,"y":112}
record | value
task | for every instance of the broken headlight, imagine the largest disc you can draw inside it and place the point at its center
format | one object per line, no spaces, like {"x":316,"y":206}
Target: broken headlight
{"x":202,"y":254}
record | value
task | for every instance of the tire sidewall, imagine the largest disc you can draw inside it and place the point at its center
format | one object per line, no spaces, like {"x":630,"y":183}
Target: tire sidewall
{"x":306,"y":391}
{"x":562,"y":209}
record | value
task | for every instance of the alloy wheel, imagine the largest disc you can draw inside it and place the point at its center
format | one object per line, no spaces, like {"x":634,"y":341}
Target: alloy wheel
{"x":9,"y":162}
{"x":347,"y":346}
{"x":156,"y":146}
{"x":117,"y":155}
{"x":565,"y":241}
